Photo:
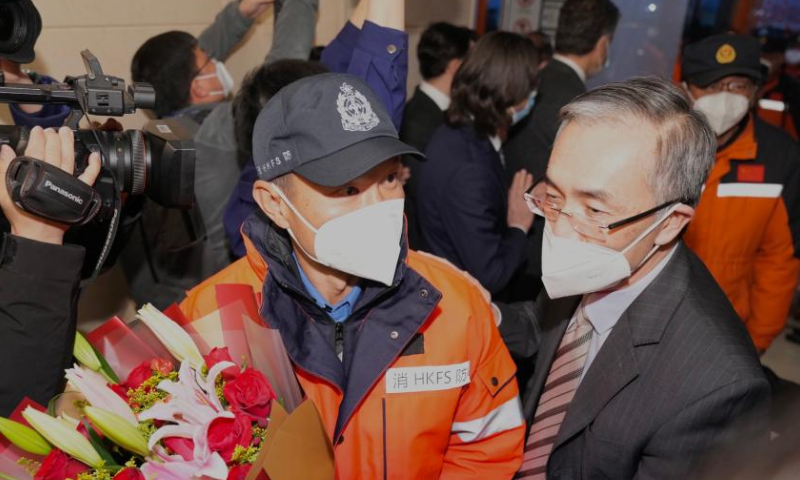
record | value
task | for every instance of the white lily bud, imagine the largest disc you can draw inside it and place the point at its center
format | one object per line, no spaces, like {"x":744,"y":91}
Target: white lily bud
{"x":175,"y":338}
{"x":63,"y":437}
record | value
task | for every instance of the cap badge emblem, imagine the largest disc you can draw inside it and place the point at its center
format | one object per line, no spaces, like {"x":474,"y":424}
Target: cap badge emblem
{"x":726,"y":54}
{"x":355,"y":110}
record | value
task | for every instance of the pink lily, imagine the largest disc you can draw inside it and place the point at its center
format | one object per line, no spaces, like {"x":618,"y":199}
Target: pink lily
{"x":94,"y":387}
{"x":193,"y":401}
{"x":205,"y":464}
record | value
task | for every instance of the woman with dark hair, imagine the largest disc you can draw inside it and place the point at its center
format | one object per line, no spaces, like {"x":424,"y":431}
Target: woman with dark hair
{"x":467,"y":214}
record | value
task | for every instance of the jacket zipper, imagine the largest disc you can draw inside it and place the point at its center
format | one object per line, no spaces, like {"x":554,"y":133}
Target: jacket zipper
{"x":338,"y":342}
{"x":372,"y":385}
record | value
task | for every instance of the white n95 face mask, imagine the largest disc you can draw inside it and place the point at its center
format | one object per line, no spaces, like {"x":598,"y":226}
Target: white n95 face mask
{"x":364,"y":243}
{"x":723,"y":110}
{"x":572,"y":267}
{"x":224,"y":77}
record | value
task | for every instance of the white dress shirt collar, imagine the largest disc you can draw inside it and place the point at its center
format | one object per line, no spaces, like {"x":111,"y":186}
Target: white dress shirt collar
{"x":574,"y":66}
{"x":603,"y":310}
{"x":441,"y":99}
{"x":496,"y":142}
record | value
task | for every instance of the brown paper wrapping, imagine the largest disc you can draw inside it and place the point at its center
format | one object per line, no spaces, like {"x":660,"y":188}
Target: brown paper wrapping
{"x":296,"y":447}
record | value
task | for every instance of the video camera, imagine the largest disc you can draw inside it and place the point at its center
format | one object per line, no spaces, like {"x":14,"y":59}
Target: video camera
{"x":156,"y":162}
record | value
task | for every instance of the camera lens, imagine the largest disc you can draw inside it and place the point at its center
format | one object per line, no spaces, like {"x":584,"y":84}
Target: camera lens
{"x":157,"y":162}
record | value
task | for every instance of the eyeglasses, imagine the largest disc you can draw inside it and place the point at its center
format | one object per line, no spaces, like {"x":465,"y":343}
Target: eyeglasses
{"x":589,"y":223}
{"x":732,"y":86}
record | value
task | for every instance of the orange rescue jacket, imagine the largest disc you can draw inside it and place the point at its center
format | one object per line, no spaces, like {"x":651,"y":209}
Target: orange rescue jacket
{"x":747,"y":226}
{"x":436,"y":399}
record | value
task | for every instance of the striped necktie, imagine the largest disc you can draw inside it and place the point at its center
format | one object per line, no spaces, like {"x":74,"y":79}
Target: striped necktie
{"x":559,"y":389}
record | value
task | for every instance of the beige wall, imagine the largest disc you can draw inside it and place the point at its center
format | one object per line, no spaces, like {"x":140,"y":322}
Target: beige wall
{"x":114,"y":29}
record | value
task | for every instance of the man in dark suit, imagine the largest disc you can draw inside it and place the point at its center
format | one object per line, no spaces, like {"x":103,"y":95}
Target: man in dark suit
{"x":583,"y":38}
{"x":642,"y":369}
{"x":441,"y":50}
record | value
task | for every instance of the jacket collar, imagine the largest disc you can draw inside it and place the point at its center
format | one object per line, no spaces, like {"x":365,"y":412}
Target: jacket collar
{"x":269,"y":251}
{"x":572,"y":65}
{"x":441,"y":99}
{"x":742,"y":147}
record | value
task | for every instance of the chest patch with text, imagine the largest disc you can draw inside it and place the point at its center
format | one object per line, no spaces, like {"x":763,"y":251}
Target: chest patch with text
{"x":427,"y":378}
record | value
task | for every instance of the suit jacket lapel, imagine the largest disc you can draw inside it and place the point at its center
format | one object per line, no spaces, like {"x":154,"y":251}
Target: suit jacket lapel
{"x":613,"y":368}
{"x":615,"y":365}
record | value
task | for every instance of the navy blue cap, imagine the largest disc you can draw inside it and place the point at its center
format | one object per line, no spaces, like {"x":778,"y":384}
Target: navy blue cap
{"x":329,"y":128}
{"x":719,"y":56}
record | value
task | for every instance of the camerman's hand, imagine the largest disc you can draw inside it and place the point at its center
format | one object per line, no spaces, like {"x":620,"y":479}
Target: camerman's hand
{"x":254,"y":8}
{"x":55,"y":148}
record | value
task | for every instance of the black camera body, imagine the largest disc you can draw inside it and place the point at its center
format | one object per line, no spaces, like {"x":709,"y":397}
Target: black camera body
{"x":157,"y":161}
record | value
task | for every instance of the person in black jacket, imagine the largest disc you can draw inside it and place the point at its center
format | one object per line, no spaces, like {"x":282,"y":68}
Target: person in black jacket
{"x":465,"y":213}
{"x":39,"y":278}
{"x":441,"y":51}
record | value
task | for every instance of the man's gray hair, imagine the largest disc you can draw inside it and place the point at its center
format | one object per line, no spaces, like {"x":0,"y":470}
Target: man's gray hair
{"x":686,"y":145}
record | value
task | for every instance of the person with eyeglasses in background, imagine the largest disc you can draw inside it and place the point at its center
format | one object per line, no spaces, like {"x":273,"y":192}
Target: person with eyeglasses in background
{"x":747,"y":225}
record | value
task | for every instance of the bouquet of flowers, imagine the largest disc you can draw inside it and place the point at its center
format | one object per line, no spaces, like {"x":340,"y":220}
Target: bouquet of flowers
{"x":198,"y":401}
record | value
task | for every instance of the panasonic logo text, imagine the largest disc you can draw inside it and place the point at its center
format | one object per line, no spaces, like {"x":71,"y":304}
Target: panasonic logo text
{"x":62,"y":192}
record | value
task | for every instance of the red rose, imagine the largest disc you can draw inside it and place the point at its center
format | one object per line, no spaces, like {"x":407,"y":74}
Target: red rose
{"x":218,"y":355}
{"x":180,"y":446}
{"x":129,"y":474}
{"x":224,"y":434}
{"x":250,"y":394}
{"x":120,"y":390}
{"x":58,"y":466}
{"x":239,"y":472}
{"x":138,"y":376}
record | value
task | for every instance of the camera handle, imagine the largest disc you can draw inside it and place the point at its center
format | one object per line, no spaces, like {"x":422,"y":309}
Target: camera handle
{"x":51,"y":193}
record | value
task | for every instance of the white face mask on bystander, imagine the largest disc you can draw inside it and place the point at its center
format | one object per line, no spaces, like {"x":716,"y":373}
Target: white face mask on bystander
{"x":723,"y":110}
{"x":224,"y":77}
